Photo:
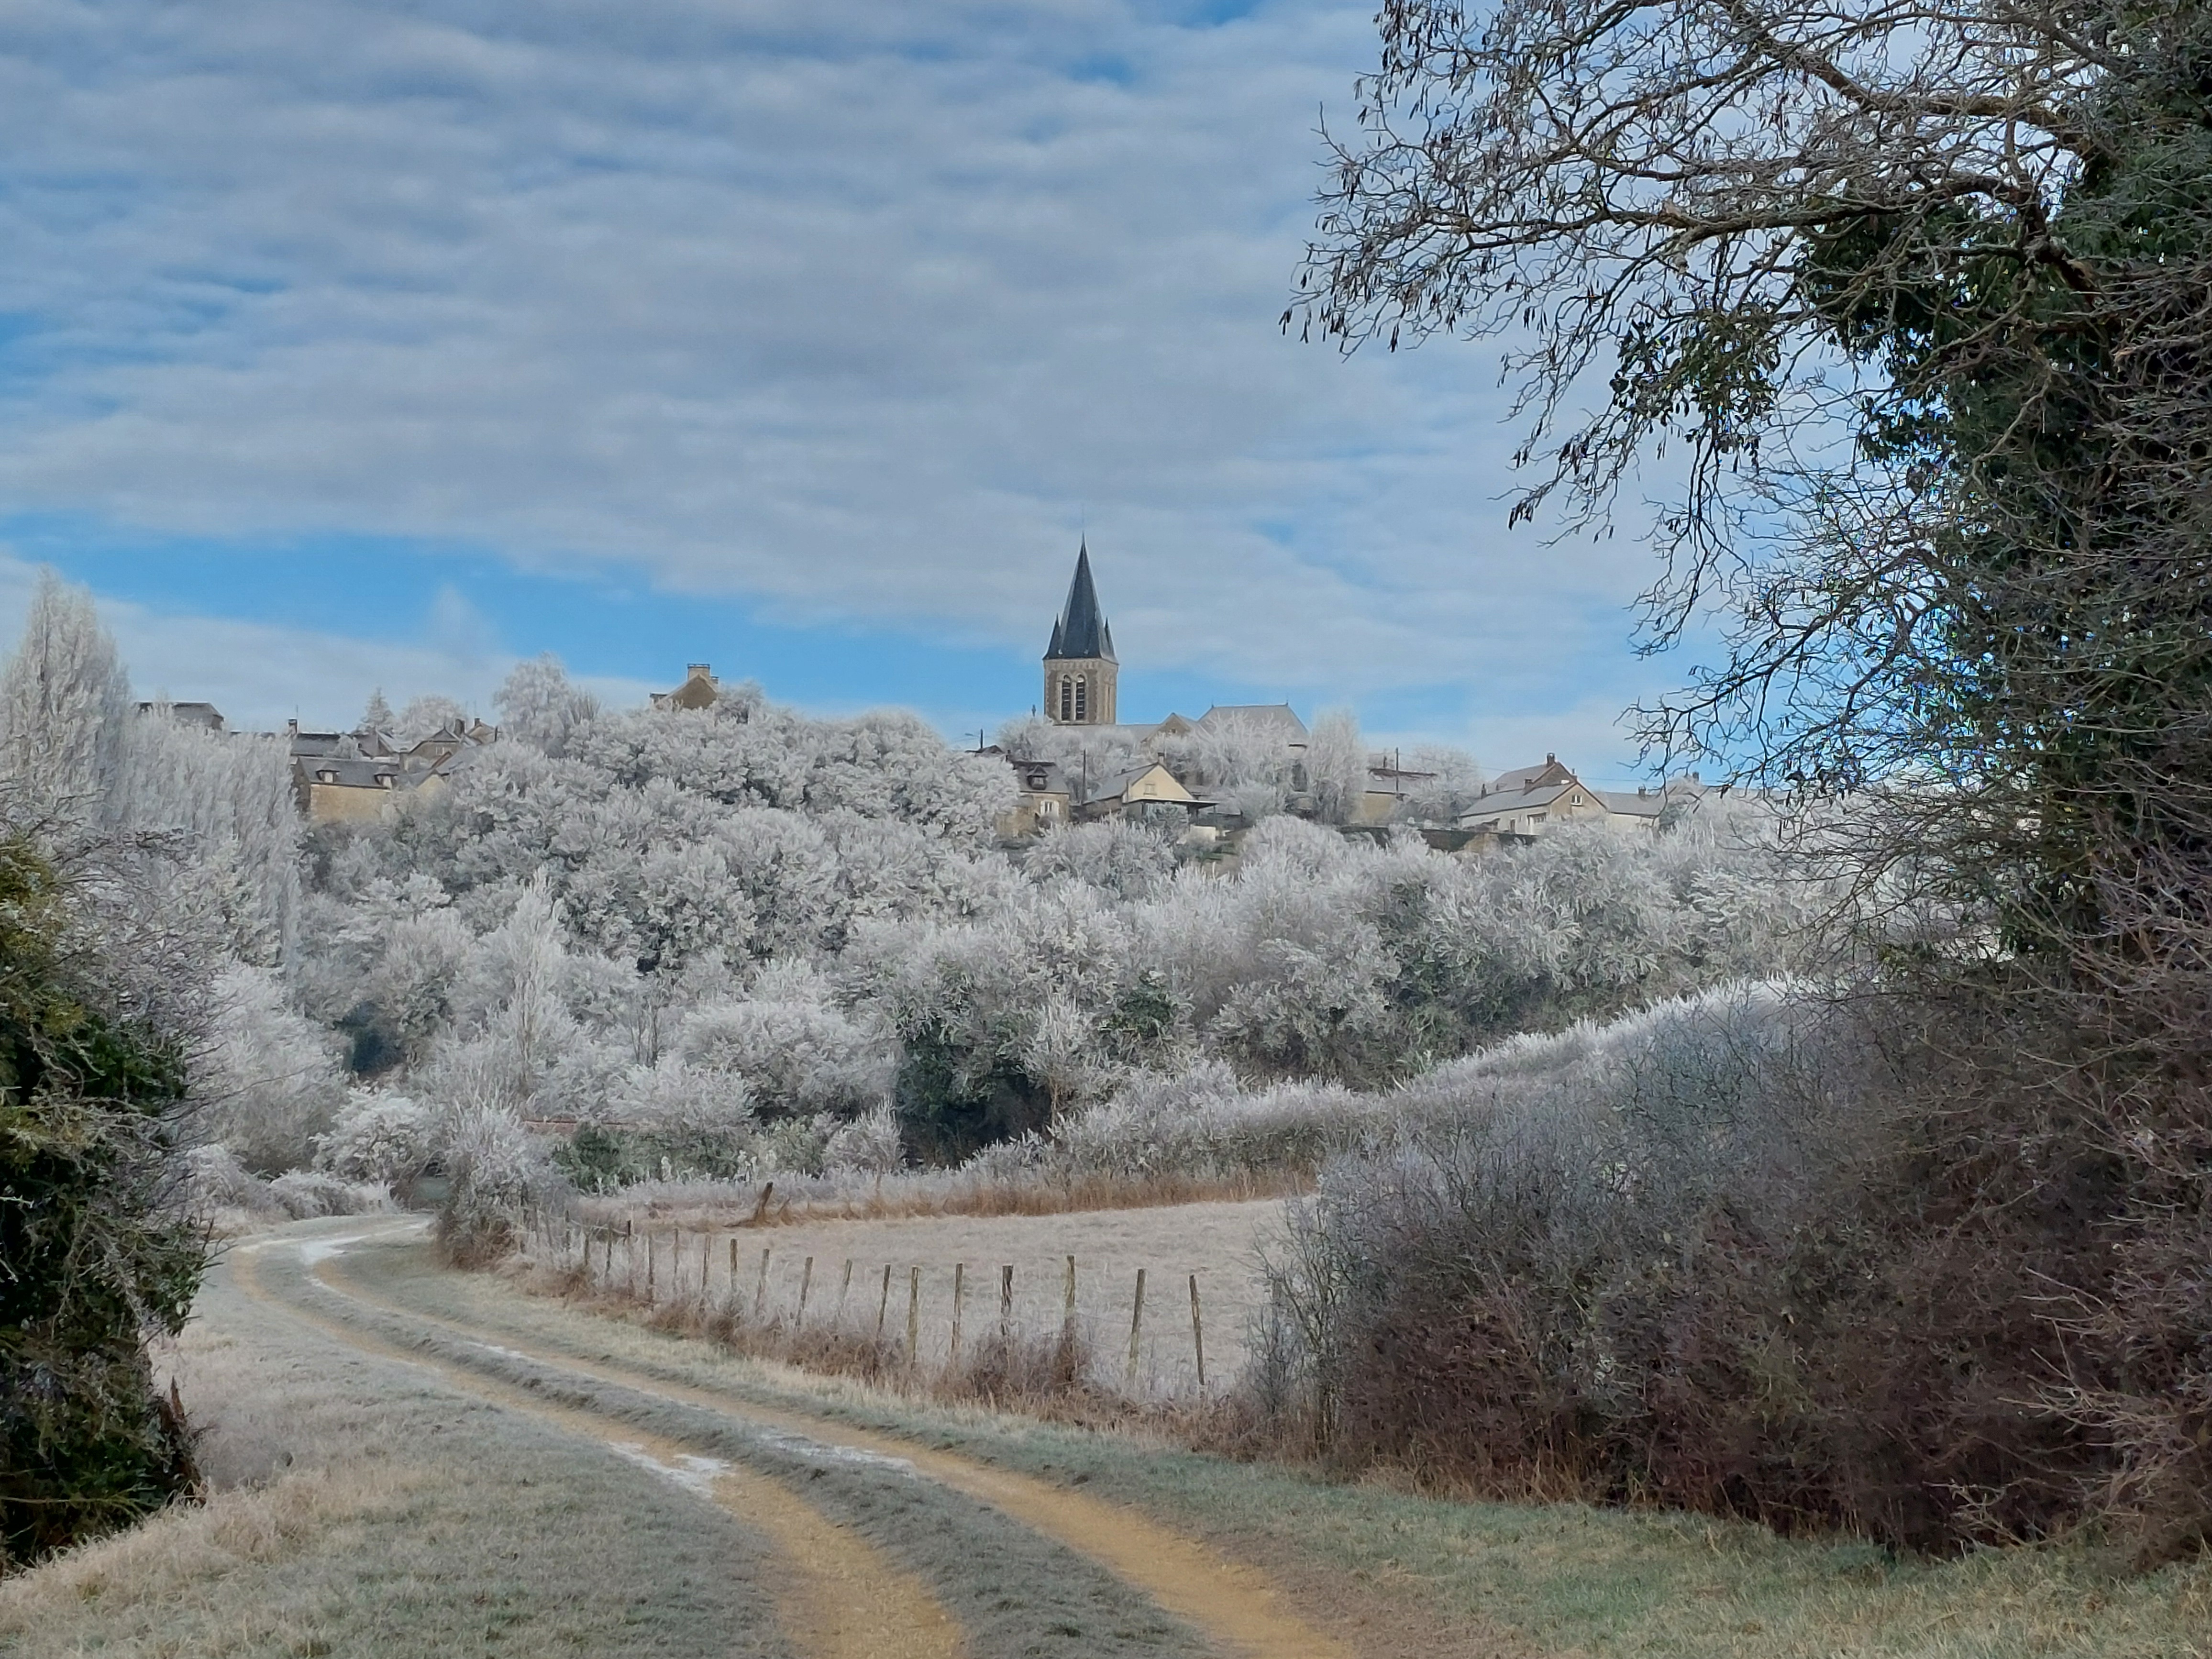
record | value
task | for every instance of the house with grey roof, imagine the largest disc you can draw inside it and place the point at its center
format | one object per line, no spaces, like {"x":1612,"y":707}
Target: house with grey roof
{"x":1532,"y":799}
{"x":348,"y":777}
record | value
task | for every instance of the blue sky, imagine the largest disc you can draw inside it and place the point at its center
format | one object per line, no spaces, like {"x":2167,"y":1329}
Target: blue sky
{"x":345,"y":345}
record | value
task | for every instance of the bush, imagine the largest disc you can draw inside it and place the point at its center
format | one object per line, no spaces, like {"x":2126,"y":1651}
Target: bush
{"x":1770,"y":1256}
{"x":379,"y":1138}
{"x":499,"y":1176}
{"x":304,"y":1195}
{"x":96,"y":1259}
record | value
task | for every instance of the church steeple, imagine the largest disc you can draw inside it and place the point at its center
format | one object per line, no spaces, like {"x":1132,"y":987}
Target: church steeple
{"x":1080,"y":665}
{"x":1081,"y":630}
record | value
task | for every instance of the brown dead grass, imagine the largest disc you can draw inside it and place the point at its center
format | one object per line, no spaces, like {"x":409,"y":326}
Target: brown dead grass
{"x":1217,"y":1241}
{"x":768,"y":1206}
{"x":181,"y":1551}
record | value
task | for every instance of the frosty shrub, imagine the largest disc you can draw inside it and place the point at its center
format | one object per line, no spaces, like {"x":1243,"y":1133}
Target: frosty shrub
{"x":1129,"y":860}
{"x":868,"y":1145}
{"x":215,"y":1182}
{"x":379,"y":1138}
{"x":798,"y":1055}
{"x":498,"y":1175}
{"x":1632,"y":1261}
{"x":303,"y":1195}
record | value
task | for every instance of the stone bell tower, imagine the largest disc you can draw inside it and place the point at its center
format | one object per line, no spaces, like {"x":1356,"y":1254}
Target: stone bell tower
{"x":1079,"y":667}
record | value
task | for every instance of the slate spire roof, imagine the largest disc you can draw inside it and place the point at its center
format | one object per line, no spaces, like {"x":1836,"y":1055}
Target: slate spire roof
{"x":1081,"y":630}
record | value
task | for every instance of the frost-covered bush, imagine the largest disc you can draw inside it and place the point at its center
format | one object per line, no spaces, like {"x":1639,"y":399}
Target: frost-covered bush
{"x":304,"y":1195}
{"x":1128,"y":859}
{"x":215,"y":1182}
{"x":498,"y":1173}
{"x":1579,"y":1260}
{"x":868,"y":1145}
{"x":268,"y":1082}
{"x":799,"y":1053}
{"x":379,"y":1138}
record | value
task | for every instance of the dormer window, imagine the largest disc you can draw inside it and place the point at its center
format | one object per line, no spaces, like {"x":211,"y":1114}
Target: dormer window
{"x":326,"y":776}
{"x":1037,"y":781}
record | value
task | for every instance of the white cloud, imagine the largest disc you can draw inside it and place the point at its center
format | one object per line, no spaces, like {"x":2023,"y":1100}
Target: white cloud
{"x":261,"y":675}
{"x":850,"y":307}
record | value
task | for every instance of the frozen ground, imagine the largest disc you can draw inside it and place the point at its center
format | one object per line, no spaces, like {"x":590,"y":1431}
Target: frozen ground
{"x":1216,"y":1242}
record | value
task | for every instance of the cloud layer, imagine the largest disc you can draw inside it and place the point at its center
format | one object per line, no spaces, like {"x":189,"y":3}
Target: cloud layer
{"x":853,"y":308}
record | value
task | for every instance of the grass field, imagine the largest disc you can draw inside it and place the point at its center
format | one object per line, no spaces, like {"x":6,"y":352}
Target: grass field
{"x":1216,"y":1242}
{"x":434,"y":1504}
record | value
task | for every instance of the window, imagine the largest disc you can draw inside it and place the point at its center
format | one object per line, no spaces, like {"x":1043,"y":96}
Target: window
{"x":1037,"y":781}
{"x":1082,"y":698}
{"x":1067,"y":696}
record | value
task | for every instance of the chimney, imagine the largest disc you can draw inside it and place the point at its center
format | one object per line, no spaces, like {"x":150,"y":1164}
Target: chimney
{"x":1550,"y":759}
{"x":699,"y":671}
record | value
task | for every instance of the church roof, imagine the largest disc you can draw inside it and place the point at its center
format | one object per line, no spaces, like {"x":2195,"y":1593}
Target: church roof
{"x":1081,"y":630}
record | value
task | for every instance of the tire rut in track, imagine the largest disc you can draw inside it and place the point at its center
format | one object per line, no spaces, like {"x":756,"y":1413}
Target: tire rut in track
{"x":1232,"y":1604}
{"x":837,"y":1597}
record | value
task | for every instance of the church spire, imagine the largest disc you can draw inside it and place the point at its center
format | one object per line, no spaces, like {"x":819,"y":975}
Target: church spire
{"x":1081,"y":630}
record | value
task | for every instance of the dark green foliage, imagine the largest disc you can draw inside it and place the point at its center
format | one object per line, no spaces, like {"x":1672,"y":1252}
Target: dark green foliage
{"x":955,"y":1096}
{"x":91,"y":1262}
{"x":600,"y":1158}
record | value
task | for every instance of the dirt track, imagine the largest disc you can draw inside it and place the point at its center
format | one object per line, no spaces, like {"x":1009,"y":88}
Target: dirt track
{"x":859,"y":1518}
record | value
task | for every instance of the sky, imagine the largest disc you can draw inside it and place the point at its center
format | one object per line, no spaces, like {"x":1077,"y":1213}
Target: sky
{"x":348,"y":346}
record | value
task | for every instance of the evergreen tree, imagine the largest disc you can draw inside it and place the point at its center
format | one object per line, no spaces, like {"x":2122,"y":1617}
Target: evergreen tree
{"x":96,"y":1262}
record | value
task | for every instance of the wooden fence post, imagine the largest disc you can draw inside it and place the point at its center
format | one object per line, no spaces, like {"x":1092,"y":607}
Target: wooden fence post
{"x":733,"y":1273}
{"x":676,"y":1265}
{"x":629,"y":1254}
{"x":1136,"y":1329}
{"x":705,"y":1264}
{"x":806,"y":1284}
{"x":1198,"y":1336}
{"x":760,"y":1291}
{"x":1067,"y":1311}
{"x":841,"y":1290}
{"x":883,"y":1307}
{"x":652,"y":1262}
{"x":1005,"y":1305}
{"x":959,"y":1287}
{"x":912,"y":1315}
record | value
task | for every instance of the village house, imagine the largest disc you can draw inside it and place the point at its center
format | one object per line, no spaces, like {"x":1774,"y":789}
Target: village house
{"x":700,"y":689}
{"x":346,"y":777}
{"x":1532,"y":799}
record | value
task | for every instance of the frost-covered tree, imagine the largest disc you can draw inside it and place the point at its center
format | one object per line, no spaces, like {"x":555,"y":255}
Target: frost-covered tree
{"x":428,"y":714}
{"x":1452,"y":784}
{"x":1336,"y":766}
{"x":65,"y":710}
{"x":268,"y":1083}
{"x":229,"y":796}
{"x":539,"y":705}
{"x":378,"y":715}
